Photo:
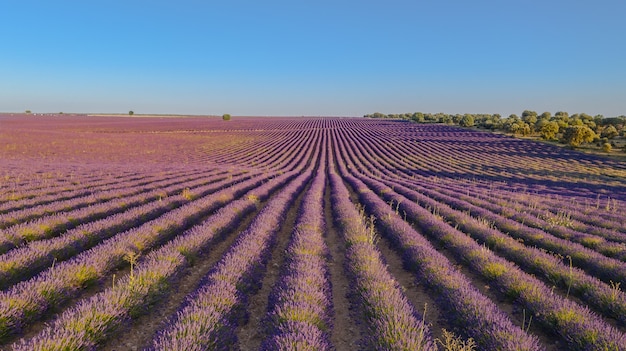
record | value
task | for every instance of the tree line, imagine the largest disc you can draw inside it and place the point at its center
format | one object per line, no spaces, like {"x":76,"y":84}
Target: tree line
{"x":573,"y":130}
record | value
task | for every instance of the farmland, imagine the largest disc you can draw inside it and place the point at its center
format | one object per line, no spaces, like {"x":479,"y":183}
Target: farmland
{"x":304,"y":234}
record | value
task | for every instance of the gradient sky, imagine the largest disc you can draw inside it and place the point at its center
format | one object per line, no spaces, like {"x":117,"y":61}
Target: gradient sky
{"x":313,"y":57}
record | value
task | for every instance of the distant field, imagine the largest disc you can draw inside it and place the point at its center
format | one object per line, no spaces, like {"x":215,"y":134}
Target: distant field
{"x":304,"y":234}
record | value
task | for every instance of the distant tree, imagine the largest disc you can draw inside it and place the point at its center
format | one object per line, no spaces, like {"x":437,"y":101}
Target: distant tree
{"x":467,"y":121}
{"x":131,"y":112}
{"x":606,"y":147}
{"x":444,"y":118}
{"x":379,"y":115}
{"x":576,"y":135}
{"x":610,"y":132}
{"x":549,"y":130}
{"x":519,"y":127}
{"x":529,"y":116}
{"x":546,"y":115}
{"x":575,"y":121}
{"x":226,"y":117}
{"x":561,"y":114}
{"x":28,"y":111}
{"x":418,"y":117}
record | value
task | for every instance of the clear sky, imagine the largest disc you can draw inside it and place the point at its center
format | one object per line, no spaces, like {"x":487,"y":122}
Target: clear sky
{"x":305,"y":57}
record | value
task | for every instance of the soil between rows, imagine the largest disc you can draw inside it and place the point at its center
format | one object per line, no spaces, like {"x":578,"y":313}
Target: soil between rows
{"x":513,"y":312}
{"x":138,"y":334}
{"x":253,"y":332}
{"x":346,"y":334}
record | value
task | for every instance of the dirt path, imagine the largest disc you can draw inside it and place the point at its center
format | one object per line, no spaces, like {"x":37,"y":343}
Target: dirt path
{"x":346,"y":334}
{"x":139,"y":333}
{"x":253,"y":332}
{"x":514,"y":312}
{"x":416,"y":292}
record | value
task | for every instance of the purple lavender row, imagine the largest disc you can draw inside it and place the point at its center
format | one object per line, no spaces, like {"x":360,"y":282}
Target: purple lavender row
{"x":605,"y":220}
{"x":300,"y":304}
{"x":204,"y":322}
{"x":392,"y":320}
{"x":593,"y":330}
{"x":592,"y":237}
{"x":82,"y":191}
{"x":95,"y":319}
{"x":605,"y":298}
{"x":408,"y":149}
{"x":586,"y":218}
{"x":22,"y":262}
{"x":48,"y":226}
{"x":578,"y":327}
{"x":212,"y":326}
{"x":94,"y":197}
{"x":550,"y":221}
{"x":614,"y":221}
{"x":276,"y":147}
{"x":478,"y":316}
{"x":24,"y":302}
{"x":27,"y":301}
{"x":605,"y":268}
{"x":276,"y":152}
{"x":51,"y":189}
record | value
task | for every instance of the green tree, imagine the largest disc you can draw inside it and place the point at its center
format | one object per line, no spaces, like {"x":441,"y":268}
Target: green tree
{"x":609,"y":132}
{"x":131,"y":112}
{"x":529,"y":115}
{"x":226,"y":117}
{"x":467,"y":121}
{"x":549,"y":130}
{"x":606,"y":147}
{"x":445,"y":119}
{"x":28,"y":111}
{"x":418,"y":117}
{"x":576,"y":135}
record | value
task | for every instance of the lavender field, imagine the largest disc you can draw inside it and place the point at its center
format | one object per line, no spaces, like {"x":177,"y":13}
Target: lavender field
{"x":304,"y":234}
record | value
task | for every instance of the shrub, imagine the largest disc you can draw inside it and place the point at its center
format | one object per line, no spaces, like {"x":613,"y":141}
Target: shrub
{"x":576,"y":135}
{"x":226,"y":117}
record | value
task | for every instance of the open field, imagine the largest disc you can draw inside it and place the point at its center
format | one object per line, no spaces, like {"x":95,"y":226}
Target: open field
{"x":304,"y":234}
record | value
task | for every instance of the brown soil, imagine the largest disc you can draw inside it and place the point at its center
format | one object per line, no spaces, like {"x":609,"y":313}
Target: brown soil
{"x":35,"y":328}
{"x":252,"y":333}
{"x":346,"y":334}
{"x":513,"y":311}
{"x":140,"y":332}
{"x":415,"y":291}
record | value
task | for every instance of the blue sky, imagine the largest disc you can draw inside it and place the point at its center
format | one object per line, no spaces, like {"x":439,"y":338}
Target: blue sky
{"x":313,"y":57}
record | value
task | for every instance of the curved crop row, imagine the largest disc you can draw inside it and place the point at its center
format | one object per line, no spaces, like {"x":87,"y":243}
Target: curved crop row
{"x":392,"y":320}
{"x":605,"y":298}
{"x":204,"y":322}
{"x":481,"y":318}
{"x":299,"y":315}
{"x":92,"y":196}
{"x":24,"y":302}
{"x":576,"y":324}
{"x":50,"y":225}
{"x":93,"y":320}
